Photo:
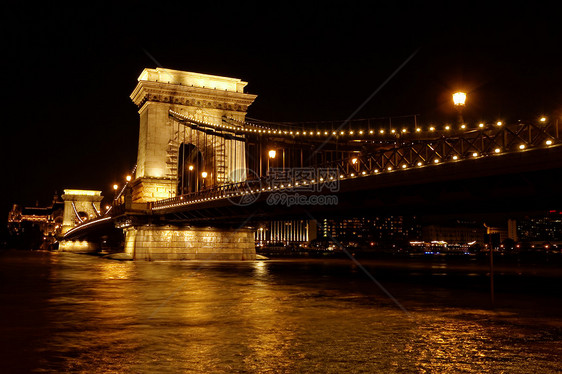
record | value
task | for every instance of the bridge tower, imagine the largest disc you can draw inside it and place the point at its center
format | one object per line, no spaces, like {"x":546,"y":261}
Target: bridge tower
{"x":80,"y":206}
{"x":163,"y":142}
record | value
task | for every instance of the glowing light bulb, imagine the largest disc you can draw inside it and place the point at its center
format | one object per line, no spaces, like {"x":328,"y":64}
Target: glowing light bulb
{"x":459,"y":98}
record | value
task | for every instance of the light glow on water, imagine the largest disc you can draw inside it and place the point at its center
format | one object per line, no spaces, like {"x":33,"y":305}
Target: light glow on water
{"x":69,"y":312}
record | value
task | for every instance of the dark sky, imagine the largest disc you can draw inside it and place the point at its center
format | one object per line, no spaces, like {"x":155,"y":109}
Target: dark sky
{"x":68,"y":72}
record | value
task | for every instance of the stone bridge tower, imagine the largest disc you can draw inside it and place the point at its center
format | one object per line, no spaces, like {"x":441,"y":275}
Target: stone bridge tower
{"x":164,"y":143}
{"x":80,"y":206}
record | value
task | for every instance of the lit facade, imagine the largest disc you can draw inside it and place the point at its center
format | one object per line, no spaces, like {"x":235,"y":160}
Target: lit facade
{"x":204,"y":98}
{"x":547,"y":227}
{"x":454,"y":235}
{"x":293,"y":232}
{"x":371,"y":231}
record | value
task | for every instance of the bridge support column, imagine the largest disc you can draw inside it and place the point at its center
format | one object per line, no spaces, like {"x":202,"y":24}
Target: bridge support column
{"x":153,"y":243}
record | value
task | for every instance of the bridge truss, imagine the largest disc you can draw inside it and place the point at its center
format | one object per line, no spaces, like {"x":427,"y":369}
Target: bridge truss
{"x":343,"y":154}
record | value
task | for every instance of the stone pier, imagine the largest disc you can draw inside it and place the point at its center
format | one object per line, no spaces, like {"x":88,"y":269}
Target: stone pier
{"x":78,"y":246}
{"x":158,"y":243}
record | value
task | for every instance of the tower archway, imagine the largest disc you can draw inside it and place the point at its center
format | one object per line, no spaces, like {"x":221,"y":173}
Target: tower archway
{"x":191,"y":165}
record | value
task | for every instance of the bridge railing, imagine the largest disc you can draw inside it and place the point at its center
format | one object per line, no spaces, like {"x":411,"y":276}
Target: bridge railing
{"x":492,"y":140}
{"x":222,"y":191}
{"x":496,"y":140}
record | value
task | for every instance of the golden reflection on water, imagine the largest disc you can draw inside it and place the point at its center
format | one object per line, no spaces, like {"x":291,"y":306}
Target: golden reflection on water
{"x":116,"y":270}
{"x":107,"y":316}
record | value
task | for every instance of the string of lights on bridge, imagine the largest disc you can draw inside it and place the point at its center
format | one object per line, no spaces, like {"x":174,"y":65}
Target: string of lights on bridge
{"x":184,"y":200}
{"x":352,"y":134}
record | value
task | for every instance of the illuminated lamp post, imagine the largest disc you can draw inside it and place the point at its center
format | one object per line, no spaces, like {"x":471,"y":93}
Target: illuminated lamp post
{"x":271,"y":155}
{"x":459,"y":99}
{"x":115,"y":188}
{"x":204,"y":176}
{"x":190,"y":181}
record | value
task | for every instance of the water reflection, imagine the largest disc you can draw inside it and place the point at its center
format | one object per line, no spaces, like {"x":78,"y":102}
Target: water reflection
{"x":286,"y":317}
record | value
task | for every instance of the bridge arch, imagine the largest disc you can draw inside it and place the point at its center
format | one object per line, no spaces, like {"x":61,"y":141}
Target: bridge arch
{"x":81,"y":216}
{"x":191,"y":166}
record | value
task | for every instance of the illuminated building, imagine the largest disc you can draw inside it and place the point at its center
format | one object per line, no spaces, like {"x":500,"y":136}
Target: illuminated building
{"x":547,"y":227}
{"x":454,"y":234}
{"x":293,"y":232}
{"x":35,"y":227}
{"x":370,"y":232}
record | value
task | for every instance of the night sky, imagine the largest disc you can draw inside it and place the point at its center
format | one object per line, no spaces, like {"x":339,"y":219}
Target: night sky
{"x":67,"y":73}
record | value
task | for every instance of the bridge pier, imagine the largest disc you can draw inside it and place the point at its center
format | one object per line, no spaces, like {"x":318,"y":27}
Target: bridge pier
{"x":78,"y":246}
{"x":157,"y":243}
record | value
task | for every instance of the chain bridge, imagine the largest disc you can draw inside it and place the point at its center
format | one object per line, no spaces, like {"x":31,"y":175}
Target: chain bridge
{"x":206,"y":173}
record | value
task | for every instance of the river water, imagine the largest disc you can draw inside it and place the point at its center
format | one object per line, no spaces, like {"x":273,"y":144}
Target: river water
{"x":65,"y":312}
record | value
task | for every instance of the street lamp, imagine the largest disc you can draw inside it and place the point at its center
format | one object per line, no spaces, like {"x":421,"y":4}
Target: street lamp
{"x":204,"y":175}
{"x":272,"y":154}
{"x":115,"y":187}
{"x":128,"y":178}
{"x":459,"y":99}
